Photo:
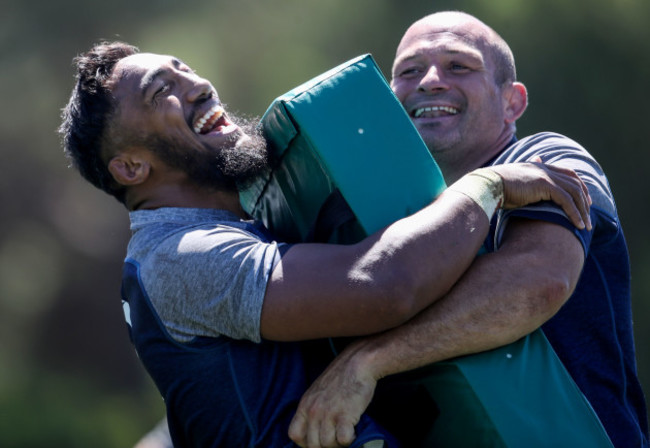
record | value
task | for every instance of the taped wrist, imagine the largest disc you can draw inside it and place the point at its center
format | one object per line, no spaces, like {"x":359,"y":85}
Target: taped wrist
{"x":483,"y":186}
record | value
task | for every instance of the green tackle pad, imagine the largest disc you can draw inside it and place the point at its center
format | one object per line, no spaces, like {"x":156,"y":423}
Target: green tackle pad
{"x":342,"y":132}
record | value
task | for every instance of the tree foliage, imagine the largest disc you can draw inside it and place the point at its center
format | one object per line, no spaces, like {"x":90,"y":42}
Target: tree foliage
{"x":65,"y":356}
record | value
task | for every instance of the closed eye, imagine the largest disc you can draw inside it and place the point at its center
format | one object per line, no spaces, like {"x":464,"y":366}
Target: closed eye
{"x":162,"y":90}
{"x":409,"y":71}
{"x":455,"y":67}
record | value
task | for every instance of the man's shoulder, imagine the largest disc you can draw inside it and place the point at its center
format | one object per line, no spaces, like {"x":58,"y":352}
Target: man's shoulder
{"x":180,"y":230}
{"x":539,"y":144}
{"x":560,"y":150}
{"x":211,"y":263}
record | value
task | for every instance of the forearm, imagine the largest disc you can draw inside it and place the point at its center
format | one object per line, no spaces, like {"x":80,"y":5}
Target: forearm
{"x":425,"y":255}
{"x":502,"y":297}
{"x":344,"y":390}
{"x":381,"y":282}
{"x":386,"y":279}
{"x":444,"y":330}
{"x":496,"y":302}
{"x":447,"y":329}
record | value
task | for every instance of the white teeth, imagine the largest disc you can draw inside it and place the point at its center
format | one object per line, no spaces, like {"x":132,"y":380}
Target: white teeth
{"x":215,"y":110}
{"x":449,"y":110}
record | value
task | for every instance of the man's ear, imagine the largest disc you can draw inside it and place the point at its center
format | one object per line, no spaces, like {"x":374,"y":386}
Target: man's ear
{"x":515,"y":99}
{"x":129,"y":168}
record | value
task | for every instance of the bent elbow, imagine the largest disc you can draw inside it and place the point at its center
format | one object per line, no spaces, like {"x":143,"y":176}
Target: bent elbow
{"x":396,"y":302}
{"x":402,"y":302}
{"x":552,"y":295}
{"x":405,"y":296}
{"x":404,"y":309}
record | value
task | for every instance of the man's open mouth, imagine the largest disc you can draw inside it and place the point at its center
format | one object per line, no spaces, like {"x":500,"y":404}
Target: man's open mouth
{"x":434,"y":111}
{"x":211,"y":120}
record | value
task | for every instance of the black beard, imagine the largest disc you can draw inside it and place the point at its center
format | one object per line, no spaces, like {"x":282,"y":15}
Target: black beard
{"x":244,"y":164}
{"x":231,"y":168}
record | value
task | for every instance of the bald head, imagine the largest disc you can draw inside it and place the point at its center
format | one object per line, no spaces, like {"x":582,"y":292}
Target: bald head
{"x":455,"y":77}
{"x":474,"y":32}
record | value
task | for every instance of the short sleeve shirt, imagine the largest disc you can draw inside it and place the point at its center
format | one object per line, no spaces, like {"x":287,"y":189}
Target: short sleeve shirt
{"x":592,"y":333}
{"x":204,"y":270}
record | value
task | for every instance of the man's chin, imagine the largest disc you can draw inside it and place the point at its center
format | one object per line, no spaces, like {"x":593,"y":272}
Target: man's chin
{"x":236,"y":164}
{"x":438,"y":141}
{"x":243,"y":139}
{"x":245,"y":162}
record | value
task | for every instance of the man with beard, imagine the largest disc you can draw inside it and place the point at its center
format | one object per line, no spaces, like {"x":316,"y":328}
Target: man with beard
{"x":215,"y":305}
{"x":455,"y":76}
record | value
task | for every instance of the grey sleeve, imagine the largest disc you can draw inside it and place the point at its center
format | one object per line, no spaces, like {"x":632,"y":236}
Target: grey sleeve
{"x":210,"y":282}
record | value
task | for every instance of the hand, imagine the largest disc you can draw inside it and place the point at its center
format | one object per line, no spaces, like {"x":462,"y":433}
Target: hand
{"x":526,"y":183}
{"x":332,"y":406}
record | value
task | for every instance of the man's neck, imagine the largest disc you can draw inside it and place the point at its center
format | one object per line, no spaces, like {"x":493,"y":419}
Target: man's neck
{"x":456,"y":167}
{"x":178,"y":196}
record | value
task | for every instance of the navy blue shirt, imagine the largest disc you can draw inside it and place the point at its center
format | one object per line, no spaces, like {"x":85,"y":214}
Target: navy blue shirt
{"x":592,"y":333}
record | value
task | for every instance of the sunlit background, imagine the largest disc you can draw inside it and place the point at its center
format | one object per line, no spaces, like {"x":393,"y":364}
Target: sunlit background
{"x":68,"y":375}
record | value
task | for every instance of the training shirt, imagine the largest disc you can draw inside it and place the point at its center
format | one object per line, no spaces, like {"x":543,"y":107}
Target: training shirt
{"x":592,"y":333}
{"x":193,"y":287}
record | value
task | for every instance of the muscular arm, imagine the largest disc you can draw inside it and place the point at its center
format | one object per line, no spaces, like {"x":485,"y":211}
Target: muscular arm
{"x":321,"y":290}
{"x":502,"y":297}
{"x":383,"y":281}
{"x":495,"y":303}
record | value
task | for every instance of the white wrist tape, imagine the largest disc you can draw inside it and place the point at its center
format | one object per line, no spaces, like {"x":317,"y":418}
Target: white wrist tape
{"x":483,"y":186}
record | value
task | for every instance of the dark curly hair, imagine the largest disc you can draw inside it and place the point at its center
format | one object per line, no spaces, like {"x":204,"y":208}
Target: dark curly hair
{"x":85,"y":118}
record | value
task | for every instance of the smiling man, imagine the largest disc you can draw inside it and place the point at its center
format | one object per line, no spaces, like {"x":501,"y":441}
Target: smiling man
{"x":455,"y":76}
{"x":215,"y":305}
{"x":184,"y":137}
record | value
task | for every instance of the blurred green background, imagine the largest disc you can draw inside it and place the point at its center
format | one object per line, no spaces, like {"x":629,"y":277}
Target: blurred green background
{"x":68,"y":375}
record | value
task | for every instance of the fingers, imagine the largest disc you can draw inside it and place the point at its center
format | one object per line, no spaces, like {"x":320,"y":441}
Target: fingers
{"x":533,"y":181}
{"x":322,"y":434}
{"x":317,"y":433}
{"x":583,"y":201}
{"x":570,"y":207}
{"x":332,"y":435}
{"x":332,"y":406}
{"x":298,"y":429}
{"x":345,"y":433}
{"x":572,"y":194}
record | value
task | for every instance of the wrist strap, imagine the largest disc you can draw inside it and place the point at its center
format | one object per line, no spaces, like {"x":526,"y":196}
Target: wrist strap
{"x":483,"y":186}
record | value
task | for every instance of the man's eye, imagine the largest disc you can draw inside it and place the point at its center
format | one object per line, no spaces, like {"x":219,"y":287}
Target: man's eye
{"x":164,"y":88}
{"x":459,"y":67}
{"x":408,"y":71}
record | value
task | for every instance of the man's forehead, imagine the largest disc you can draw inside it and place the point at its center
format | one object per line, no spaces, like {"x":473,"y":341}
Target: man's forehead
{"x":447,"y":29}
{"x":136,"y":71}
{"x":439,"y":41}
{"x":140,"y":63}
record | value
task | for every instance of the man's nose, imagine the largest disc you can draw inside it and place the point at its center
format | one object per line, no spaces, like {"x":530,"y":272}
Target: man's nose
{"x":433,"y":80}
{"x":200,"y":89}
